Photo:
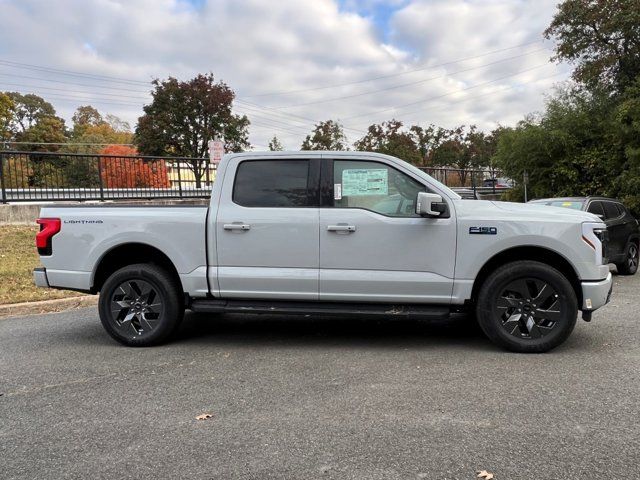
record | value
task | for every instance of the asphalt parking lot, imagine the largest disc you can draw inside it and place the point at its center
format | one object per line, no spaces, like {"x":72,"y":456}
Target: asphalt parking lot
{"x":302,"y":398}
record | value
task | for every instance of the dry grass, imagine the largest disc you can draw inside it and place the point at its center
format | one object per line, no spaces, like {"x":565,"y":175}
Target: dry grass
{"x":18,"y":258}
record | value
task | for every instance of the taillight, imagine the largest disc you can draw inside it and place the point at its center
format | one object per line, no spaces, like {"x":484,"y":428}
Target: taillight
{"x":48,"y":228}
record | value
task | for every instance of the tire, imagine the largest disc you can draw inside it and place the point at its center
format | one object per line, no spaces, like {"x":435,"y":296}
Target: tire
{"x":527,"y":307}
{"x":630,"y":264}
{"x":141,"y":305}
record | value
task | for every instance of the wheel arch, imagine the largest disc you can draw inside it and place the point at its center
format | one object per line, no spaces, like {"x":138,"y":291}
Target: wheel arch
{"x":529,"y":252}
{"x":128,"y":254}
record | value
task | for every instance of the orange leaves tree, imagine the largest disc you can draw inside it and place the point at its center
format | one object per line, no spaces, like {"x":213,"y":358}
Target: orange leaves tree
{"x":122,"y":170}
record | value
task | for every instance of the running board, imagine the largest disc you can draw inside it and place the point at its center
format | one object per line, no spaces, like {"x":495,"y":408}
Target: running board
{"x":319,"y":308}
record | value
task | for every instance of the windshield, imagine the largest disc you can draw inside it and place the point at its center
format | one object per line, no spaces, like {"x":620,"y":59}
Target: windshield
{"x":576,"y":205}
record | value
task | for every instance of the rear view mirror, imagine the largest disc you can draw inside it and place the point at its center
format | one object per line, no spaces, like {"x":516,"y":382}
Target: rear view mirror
{"x":430,"y":205}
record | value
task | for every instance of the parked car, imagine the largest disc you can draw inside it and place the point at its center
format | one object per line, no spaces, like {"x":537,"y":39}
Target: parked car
{"x":342,"y":233}
{"x":624,"y":233}
{"x":497,"y":183}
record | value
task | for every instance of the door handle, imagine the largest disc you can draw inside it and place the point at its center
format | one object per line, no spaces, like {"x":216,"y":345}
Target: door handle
{"x":237,"y":226}
{"x":341,"y":228}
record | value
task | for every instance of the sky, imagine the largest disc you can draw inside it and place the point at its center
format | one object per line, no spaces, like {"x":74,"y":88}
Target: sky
{"x":292,"y":63}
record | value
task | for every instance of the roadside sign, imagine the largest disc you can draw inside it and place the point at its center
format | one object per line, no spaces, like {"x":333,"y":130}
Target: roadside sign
{"x":216,"y":151}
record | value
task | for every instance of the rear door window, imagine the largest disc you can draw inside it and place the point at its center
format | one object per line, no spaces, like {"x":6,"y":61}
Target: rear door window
{"x":596,"y":208}
{"x":610,"y":210}
{"x":274,"y":183}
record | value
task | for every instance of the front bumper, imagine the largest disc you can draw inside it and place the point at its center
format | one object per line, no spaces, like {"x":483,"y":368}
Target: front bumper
{"x":40,"y":277}
{"x":596,"y":294}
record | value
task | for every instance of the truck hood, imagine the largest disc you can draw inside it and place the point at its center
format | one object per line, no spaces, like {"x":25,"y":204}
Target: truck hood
{"x":523,"y":211}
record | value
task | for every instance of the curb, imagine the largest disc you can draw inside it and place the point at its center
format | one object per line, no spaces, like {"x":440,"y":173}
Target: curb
{"x":47,"y":306}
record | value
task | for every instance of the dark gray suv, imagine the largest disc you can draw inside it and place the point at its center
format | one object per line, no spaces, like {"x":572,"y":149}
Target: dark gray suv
{"x":624,"y":233}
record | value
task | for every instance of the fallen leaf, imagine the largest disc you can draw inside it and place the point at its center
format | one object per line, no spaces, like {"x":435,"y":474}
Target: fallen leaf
{"x":204,"y":416}
{"x":484,"y":474}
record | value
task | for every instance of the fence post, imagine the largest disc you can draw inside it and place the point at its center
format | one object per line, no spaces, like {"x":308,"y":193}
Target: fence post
{"x":100,"y":179}
{"x":179,"y":179}
{"x":473,"y":184}
{"x":4,"y":191}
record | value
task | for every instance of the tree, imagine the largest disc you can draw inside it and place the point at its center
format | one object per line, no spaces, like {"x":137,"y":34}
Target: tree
{"x":568,"y":150}
{"x":602,"y":37}
{"x":6,"y":116}
{"x":390,"y":138}
{"x":327,"y":135}
{"x":123,"y":171}
{"x":49,"y":129}
{"x":184,"y":116}
{"x":85,"y":116}
{"x":91,"y":129}
{"x":275,"y":145}
{"x":28,"y":110}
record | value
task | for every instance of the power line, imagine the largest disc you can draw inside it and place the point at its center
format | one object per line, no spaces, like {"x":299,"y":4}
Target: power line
{"x":72,"y":73}
{"x":288,"y":92}
{"x":500,"y":90}
{"x":72,"y":83}
{"x":98,"y":101}
{"x":67,"y":143}
{"x":424,"y":100}
{"x":72,"y":92}
{"x":393,"y":87}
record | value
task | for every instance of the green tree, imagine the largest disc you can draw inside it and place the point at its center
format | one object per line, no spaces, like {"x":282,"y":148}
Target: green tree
{"x":6,"y":116}
{"x":602,"y":38}
{"x":91,"y":131}
{"x":48,"y":129}
{"x":28,"y":110}
{"x":327,"y":135}
{"x":392,"y":139}
{"x":567,"y":150}
{"x":184,"y":116}
{"x":275,"y":145}
{"x":85,"y":116}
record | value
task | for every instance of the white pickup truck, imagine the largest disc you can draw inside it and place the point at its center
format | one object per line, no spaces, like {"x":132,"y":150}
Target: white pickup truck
{"x":338,"y":233}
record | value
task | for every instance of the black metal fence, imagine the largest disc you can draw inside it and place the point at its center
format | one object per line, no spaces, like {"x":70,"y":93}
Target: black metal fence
{"x":37,"y":176}
{"x":471,"y":182}
{"x":42,"y":176}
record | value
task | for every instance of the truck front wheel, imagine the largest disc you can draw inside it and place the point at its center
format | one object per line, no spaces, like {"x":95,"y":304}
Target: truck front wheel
{"x":141,"y":305}
{"x":527,"y":306}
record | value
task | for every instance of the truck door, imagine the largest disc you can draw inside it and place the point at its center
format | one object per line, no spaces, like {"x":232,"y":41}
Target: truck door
{"x":267,"y":229}
{"x":373,"y":246}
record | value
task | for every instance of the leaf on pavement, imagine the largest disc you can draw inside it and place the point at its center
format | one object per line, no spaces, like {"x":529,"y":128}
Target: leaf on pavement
{"x":484,"y":474}
{"x":204,"y":416}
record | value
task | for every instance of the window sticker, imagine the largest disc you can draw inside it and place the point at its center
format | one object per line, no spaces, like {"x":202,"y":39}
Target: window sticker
{"x":359,"y":182}
{"x":337,"y":191}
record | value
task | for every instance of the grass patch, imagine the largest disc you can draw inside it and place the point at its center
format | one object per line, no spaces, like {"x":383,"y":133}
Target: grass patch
{"x":18,"y":258}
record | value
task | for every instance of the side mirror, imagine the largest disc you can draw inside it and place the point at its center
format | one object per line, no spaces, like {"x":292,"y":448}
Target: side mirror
{"x":430,"y":205}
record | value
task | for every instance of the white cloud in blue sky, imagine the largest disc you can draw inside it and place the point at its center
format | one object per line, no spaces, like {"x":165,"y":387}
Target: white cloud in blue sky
{"x":431,"y":59}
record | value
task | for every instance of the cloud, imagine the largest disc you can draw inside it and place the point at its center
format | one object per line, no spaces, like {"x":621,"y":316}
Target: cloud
{"x":260,"y":46}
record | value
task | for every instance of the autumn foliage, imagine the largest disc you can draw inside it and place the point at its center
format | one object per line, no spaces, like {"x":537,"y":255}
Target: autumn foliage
{"x":127,"y":172}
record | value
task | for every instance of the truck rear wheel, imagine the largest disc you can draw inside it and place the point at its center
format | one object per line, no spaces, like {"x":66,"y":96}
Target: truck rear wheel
{"x":527,"y":307}
{"x":141,"y":305}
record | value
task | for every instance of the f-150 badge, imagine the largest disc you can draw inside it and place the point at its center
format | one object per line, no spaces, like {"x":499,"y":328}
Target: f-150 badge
{"x":483,"y":230}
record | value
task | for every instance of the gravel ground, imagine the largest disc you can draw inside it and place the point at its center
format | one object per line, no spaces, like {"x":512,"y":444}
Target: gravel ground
{"x":302,"y":398}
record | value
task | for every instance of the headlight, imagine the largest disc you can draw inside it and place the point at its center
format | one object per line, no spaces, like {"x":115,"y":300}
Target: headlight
{"x":596,"y":236}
